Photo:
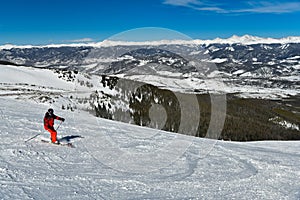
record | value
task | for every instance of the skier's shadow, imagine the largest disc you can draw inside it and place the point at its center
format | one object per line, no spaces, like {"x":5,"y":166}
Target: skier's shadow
{"x":69,"y":138}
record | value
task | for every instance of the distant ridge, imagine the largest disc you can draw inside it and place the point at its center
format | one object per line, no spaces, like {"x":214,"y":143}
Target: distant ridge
{"x":245,"y":39}
{"x":3,"y":62}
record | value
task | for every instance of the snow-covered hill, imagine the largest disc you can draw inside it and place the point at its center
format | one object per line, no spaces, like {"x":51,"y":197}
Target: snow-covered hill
{"x":119,"y":161}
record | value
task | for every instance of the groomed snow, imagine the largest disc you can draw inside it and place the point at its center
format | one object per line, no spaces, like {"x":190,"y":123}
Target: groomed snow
{"x":121,"y":161}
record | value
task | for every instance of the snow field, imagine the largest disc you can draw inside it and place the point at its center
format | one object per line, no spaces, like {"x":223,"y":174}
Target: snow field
{"x":98,"y":169}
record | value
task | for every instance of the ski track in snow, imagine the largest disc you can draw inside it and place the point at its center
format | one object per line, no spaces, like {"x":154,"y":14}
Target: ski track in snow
{"x":231,"y":170}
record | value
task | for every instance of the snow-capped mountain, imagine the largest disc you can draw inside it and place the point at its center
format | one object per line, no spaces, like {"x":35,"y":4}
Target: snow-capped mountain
{"x":236,"y":56}
{"x":249,"y":39}
{"x":235,"y":39}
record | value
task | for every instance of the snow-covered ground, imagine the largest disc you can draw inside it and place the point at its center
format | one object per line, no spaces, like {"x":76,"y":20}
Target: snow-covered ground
{"x":120,"y":161}
{"x":113,"y":160}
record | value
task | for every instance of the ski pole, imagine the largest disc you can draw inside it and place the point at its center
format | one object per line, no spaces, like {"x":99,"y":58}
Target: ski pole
{"x":58,"y":126}
{"x":32,"y":137}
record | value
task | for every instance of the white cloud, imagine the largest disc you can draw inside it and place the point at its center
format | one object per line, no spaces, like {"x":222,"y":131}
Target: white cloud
{"x":215,"y":9}
{"x":266,"y":6}
{"x":287,"y":7}
{"x":182,"y":2}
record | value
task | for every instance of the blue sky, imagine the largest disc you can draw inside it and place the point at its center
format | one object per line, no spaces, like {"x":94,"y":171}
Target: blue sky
{"x":58,"y":21}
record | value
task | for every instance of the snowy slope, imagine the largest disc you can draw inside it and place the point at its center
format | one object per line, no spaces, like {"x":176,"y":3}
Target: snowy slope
{"x":31,"y":76}
{"x":120,"y":161}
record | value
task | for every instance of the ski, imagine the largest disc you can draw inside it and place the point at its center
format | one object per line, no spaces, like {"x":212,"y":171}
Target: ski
{"x":60,"y":144}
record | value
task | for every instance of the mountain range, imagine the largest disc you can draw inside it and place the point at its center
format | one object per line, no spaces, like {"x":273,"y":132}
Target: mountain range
{"x":240,"y":61}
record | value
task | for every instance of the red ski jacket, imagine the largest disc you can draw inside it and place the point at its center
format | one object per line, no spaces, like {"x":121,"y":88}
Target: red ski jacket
{"x":49,"y":120}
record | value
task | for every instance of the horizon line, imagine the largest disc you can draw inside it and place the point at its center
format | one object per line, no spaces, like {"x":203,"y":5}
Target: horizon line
{"x":234,"y":39}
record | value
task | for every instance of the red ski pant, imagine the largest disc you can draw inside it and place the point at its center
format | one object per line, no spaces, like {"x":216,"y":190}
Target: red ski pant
{"x":53,"y":134}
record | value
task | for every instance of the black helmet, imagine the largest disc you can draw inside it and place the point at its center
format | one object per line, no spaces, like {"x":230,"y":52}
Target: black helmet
{"x":50,"y":111}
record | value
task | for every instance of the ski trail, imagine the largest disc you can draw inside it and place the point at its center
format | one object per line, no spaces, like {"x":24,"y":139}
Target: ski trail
{"x":231,"y":170}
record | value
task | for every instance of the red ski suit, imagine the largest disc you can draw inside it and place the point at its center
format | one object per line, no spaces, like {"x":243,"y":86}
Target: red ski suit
{"x":49,"y":123}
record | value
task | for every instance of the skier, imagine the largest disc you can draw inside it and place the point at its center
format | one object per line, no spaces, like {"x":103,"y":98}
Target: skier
{"x":49,"y":123}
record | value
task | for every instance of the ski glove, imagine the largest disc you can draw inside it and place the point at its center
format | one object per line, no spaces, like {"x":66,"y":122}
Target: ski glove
{"x":63,"y":119}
